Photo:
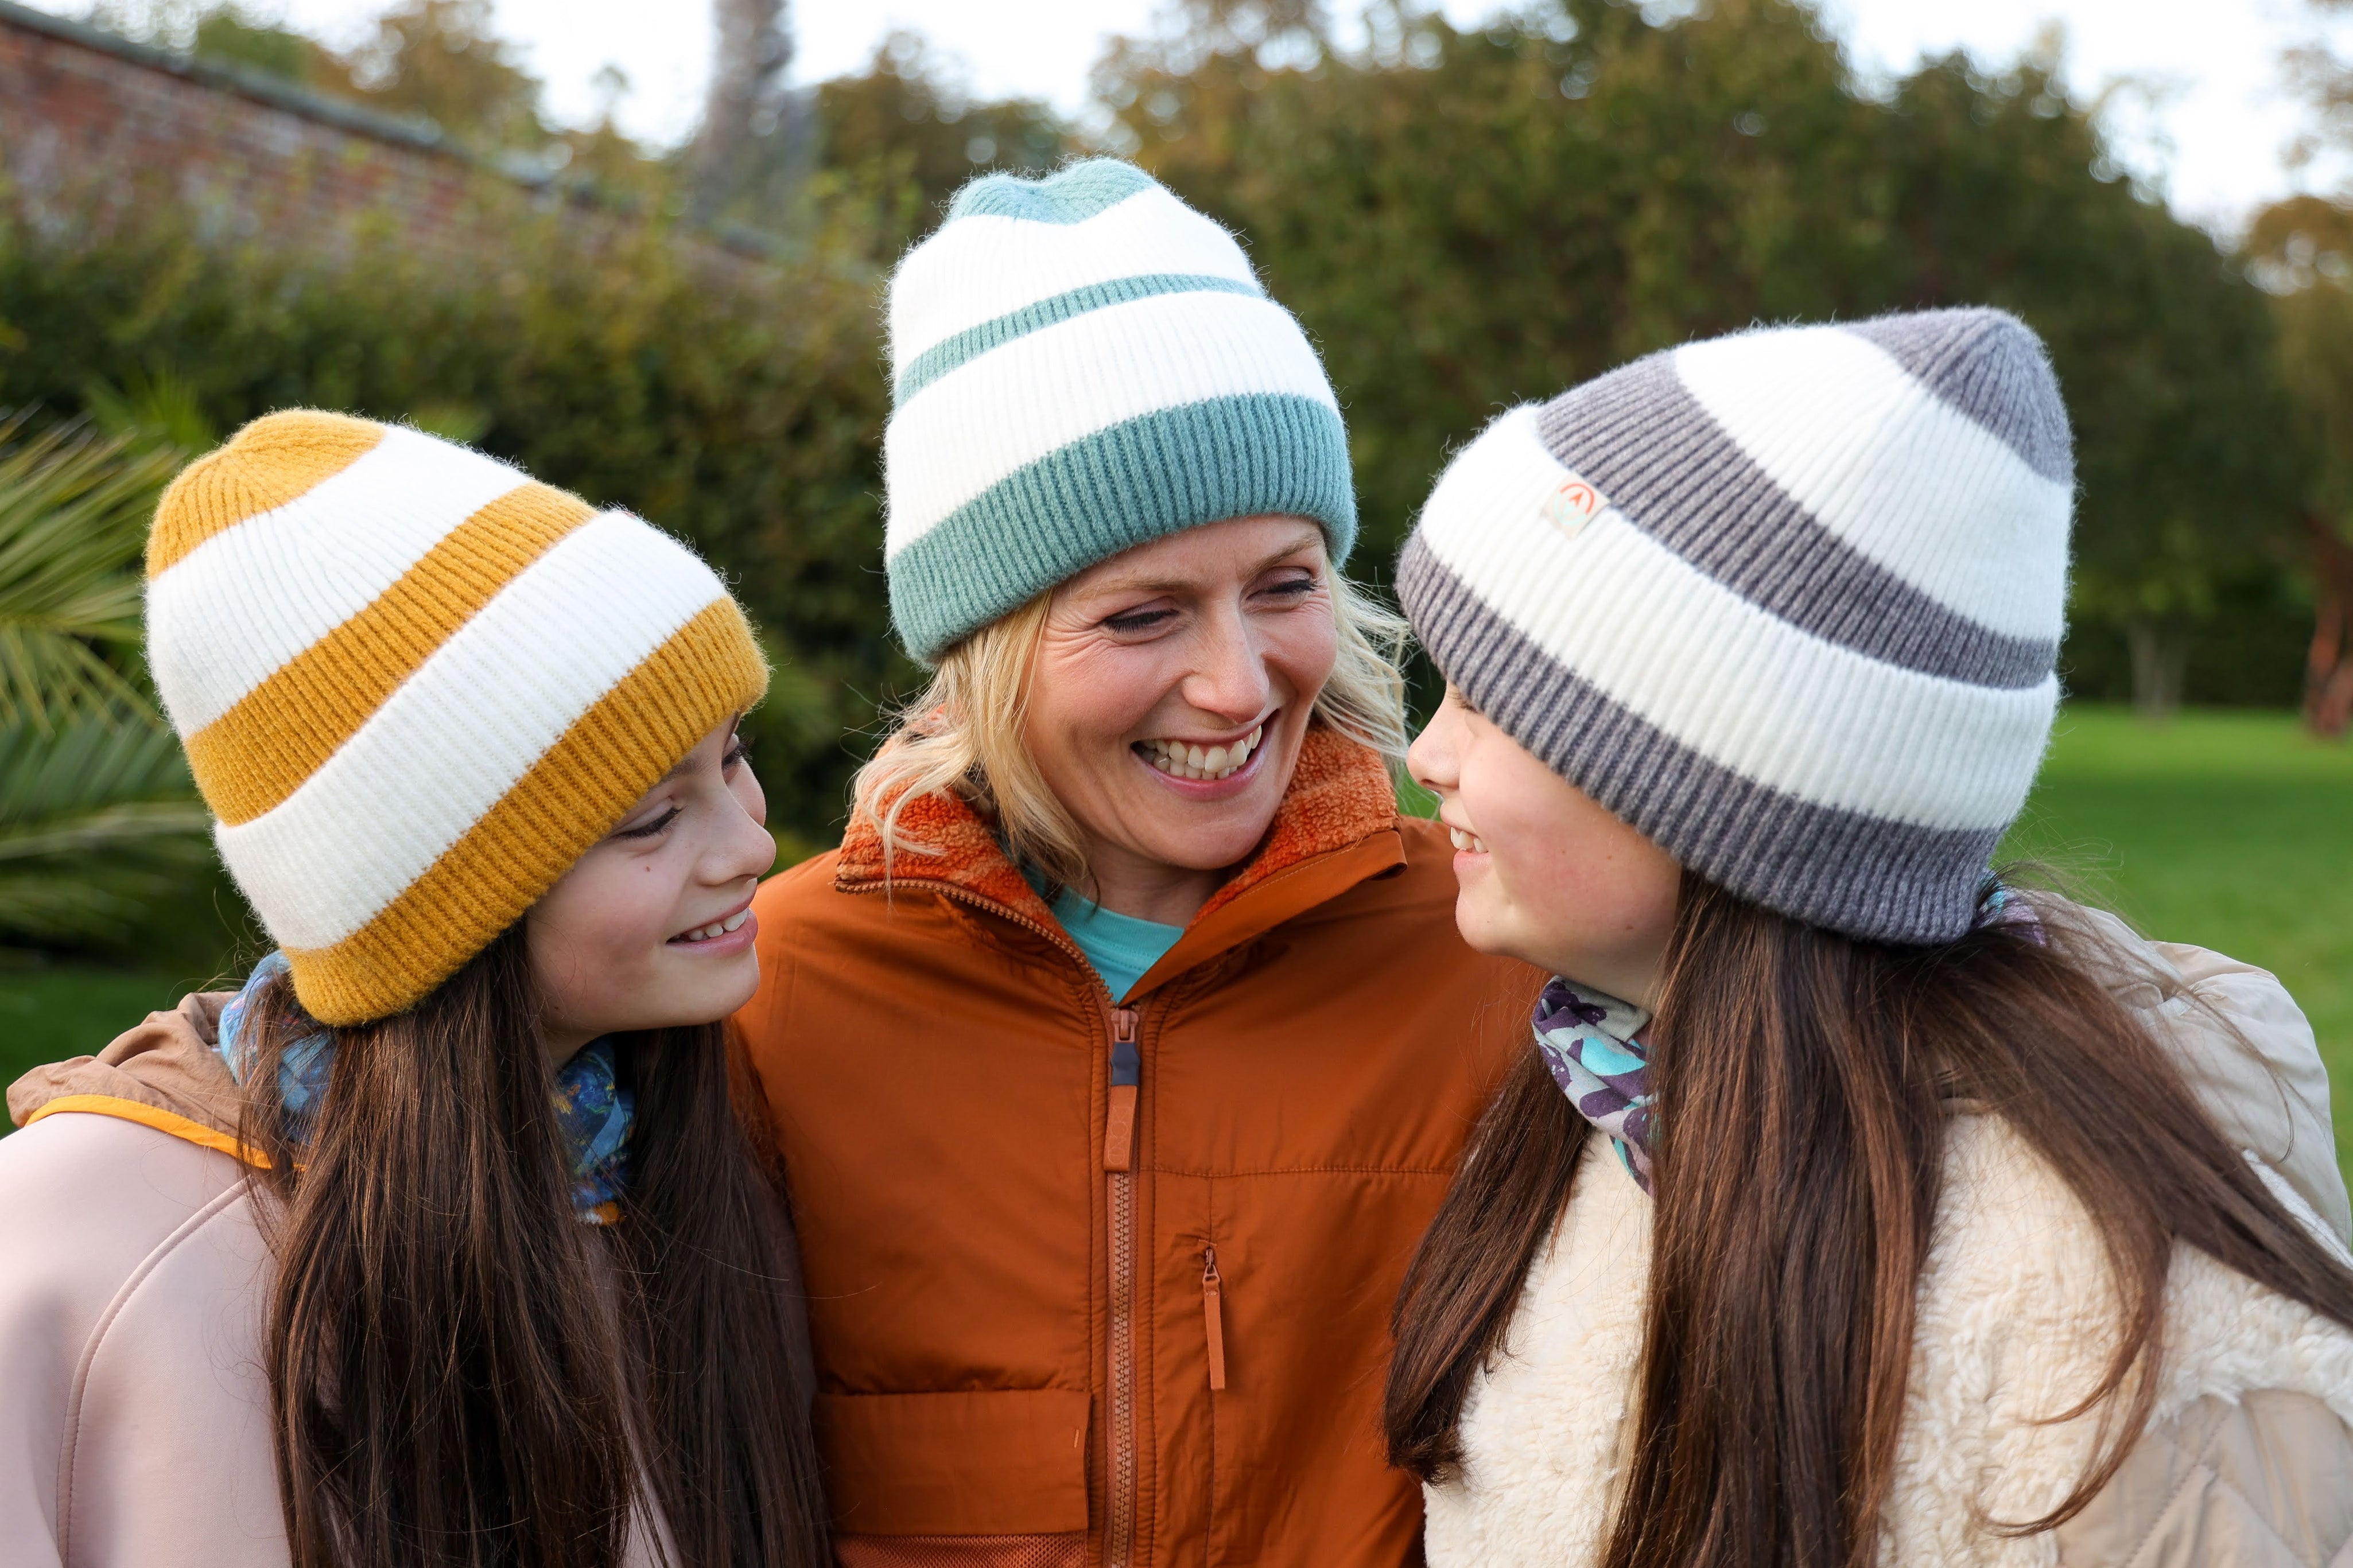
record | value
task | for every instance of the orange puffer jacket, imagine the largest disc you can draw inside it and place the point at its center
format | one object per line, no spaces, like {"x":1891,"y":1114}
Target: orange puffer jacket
{"x":1063,"y":1319}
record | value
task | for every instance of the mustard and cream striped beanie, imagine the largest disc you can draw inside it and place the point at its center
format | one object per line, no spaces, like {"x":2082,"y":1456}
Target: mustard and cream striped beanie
{"x":415,"y":687}
{"x":1788,"y":602}
{"x":1080,"y":364}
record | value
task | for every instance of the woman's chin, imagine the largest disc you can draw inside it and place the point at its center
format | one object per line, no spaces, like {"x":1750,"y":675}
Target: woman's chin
{"x":1211,"y":823}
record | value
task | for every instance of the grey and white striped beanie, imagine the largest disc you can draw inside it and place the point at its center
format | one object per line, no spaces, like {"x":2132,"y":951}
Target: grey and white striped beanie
{"x":1788,"y":602}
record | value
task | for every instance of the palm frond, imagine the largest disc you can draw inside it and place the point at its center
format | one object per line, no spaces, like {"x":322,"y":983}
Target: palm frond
{"x":97,"y":825}
{"x":153,"y":408}
{"x":74,"y":510}
{"x":72,"y":906}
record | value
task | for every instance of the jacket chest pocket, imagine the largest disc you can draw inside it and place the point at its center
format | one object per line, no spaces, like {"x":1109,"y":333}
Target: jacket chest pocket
{"x":993,"y":1478}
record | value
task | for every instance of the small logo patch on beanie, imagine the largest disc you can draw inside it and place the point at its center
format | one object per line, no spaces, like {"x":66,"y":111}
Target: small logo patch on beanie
{"x":1574,"y":505}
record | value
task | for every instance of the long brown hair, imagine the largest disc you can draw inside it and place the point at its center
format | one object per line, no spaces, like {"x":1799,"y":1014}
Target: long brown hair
{"x":1803,"y":1081}
{"x":456,"y":1376}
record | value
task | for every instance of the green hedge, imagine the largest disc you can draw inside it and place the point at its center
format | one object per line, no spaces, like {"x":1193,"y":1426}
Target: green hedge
{"x":1462,"y":227}
{"x":738,"y":407}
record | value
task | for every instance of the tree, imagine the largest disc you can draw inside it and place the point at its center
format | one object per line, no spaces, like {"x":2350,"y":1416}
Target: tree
{"x":1468,"y":219}
{"x":902,"y":138}
{"x":2301,"y":250}
{"x":2324,"y":78}
{"x":442,"y":60}
{"x":227,"y":36}
{"x":751,"y":154}
{"x":432,"y":60}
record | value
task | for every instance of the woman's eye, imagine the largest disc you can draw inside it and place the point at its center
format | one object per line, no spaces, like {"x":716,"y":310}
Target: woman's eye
{"x":1292,"y":587}
{"x":1137,"y":620}
{"x":741,"y":752}
{"x":648,"y":830}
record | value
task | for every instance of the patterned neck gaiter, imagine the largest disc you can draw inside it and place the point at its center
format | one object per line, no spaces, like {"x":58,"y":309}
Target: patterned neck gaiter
{"x":1593,"y":1046}
{"x":1593,"y":1043}
{"x":593,"y":1110}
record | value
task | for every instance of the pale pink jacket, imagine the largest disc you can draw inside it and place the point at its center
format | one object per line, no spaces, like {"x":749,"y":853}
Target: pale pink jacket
{"x":134,"y":1427}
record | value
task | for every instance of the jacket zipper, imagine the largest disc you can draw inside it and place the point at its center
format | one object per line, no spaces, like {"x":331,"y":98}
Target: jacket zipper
{"x":1120,"y":1209}
{"x":1213,"y":1315}
{"x":1119,"y":1177}
{"x":1119,"y":1159}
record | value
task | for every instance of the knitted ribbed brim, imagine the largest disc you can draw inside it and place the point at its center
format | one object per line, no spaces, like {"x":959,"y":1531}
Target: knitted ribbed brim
{"x":1788,"y":602}
{"x":415,"y":687}
{"x":1082,"y":363}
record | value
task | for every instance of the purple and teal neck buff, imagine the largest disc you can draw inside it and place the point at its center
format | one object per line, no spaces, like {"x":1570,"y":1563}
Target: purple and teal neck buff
{"x":593,"y":1109}
{"x":1594,"y":1047}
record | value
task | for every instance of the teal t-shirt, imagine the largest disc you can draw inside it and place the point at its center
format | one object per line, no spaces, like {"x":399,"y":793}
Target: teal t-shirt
{"x":1121,"y":947}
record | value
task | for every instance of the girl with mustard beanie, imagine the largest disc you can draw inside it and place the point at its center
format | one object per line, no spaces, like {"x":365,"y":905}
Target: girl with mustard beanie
{"x":439,"y":1241}
{"x":1847,"y":1207}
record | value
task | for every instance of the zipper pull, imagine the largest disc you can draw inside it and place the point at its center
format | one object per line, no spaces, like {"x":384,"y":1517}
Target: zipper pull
{"x":1214,"y":1311}
{"x":1126,"y":1082}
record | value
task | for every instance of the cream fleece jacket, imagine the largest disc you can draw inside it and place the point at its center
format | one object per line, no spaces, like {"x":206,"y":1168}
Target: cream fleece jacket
{"x":2249,"y":1455}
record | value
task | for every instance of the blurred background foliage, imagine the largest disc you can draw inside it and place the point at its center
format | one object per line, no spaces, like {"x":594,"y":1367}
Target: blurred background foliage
{"x":1463,"y":219}
{"x":101,"y":832}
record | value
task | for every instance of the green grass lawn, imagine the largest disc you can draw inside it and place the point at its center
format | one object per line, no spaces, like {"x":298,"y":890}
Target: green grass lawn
{"x":70,"y":1010}
{"x":2230,"y":829}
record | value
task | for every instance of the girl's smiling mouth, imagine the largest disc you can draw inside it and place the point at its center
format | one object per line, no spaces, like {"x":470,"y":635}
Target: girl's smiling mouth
{"x":734,"y":923}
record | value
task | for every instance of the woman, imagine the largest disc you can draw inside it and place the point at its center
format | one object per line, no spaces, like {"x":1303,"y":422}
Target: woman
{"x":1906,"y":1237}
{"x":439,"y":1242}
{"x":1122,"y":1051}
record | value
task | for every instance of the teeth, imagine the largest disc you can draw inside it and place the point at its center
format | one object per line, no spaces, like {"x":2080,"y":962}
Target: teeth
{"x":717,"y":928}
{"x":1470,"y":841}
{"x":1181,"y":760}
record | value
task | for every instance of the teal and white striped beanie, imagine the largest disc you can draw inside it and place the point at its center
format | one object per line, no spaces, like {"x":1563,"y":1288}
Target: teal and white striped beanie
{"x":1788,"y":602}
{"x":1080,"y":364}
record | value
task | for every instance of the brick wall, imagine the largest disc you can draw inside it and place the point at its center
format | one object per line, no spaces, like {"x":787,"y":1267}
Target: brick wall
{"x":91,"y":123}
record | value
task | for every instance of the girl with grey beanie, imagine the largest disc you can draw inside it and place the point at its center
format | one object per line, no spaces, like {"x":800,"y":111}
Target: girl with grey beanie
{"x":1850,"y":1207}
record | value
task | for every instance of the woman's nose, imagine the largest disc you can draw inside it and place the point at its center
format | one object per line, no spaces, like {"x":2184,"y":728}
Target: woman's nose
{"x":1229,"y":677}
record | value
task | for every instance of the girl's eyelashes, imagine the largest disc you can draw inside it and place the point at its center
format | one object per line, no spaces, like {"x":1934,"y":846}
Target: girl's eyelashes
{"x":1292,"y":587}
{"x":738,"y":750}
{"x":648,"y":830}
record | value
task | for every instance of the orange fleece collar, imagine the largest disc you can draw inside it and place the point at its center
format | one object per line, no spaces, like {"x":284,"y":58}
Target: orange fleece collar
{"x":1340,"y":796}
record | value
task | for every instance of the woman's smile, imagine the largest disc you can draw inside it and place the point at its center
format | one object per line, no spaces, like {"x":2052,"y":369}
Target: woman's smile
{"x":1215,"y":770}
{"x":1210,"y":761}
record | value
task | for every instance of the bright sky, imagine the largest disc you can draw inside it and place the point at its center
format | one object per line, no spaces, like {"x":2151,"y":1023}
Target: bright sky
{"x":2201,"y":109}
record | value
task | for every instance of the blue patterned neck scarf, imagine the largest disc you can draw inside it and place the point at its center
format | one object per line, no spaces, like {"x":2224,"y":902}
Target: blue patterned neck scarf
{"x":593,"y":1109}
{"x":1593,"y":1046}
{"x":1593,"y":1043}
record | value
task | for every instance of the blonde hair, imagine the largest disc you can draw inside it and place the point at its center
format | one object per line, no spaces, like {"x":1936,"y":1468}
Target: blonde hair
{"x":963,"y":735}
